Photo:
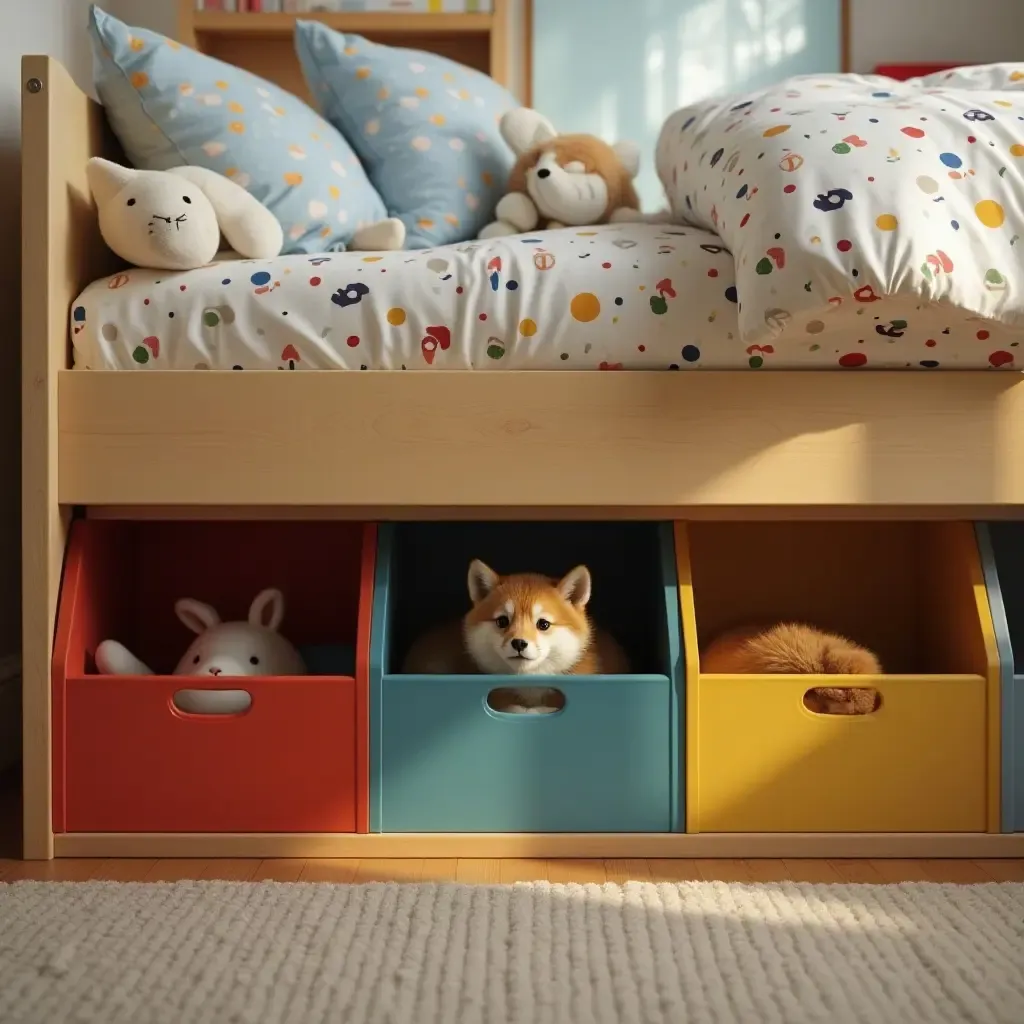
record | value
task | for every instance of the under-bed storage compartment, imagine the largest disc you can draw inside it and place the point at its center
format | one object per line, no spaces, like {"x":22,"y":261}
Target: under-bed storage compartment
{"x":759,"y":760}
{"x":444,"y":760}
{"x":131,"y":754}
{"x":1002,"y":549}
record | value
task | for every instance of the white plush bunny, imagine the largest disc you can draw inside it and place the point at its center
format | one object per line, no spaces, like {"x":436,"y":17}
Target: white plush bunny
{"x":221,"y":650}
{"x":173,"y":220}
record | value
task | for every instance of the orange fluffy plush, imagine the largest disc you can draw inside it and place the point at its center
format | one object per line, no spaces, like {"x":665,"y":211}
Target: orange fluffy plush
{"x":562,"y":180}
{"x":792,"y":648}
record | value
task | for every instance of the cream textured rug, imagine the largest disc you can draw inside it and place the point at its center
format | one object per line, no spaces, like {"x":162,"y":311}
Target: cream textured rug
{"x":692,"y":953}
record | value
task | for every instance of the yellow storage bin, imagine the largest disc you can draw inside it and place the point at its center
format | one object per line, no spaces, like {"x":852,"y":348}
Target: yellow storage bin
{"x":927,"y":760}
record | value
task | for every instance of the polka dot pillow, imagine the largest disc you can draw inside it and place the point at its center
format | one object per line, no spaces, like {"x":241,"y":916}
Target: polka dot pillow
{"x":425,"y":128}
{"x":169,"y":105}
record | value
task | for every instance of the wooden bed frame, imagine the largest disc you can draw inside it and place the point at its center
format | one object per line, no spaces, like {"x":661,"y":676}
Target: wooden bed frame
{"x":395,"y":445}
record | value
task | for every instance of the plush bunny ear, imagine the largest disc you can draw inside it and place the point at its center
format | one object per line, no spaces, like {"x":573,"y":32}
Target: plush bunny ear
{"x":250,"y":228}
{"x":197,"y":616}
{"x":114,"y":659}
{"x":106,"y":178}
{"x":629,"y":155}
{"x":269,"y":600}
{"x":574,"y":586}
{"x":524,"y":128}
{"x":482,"y":580}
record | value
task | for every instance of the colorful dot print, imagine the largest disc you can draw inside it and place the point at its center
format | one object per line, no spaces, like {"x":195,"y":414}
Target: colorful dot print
{"x":833,"y":192}
{"x":618,"y":297}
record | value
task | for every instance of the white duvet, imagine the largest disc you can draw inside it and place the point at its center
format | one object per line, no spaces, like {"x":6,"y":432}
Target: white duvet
{"x":853,"y":200}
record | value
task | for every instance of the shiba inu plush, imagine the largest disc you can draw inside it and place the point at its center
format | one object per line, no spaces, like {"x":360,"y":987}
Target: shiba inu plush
{"x":795,"y":649}
{"x":562,"y":180}
{"x":520,"y":625}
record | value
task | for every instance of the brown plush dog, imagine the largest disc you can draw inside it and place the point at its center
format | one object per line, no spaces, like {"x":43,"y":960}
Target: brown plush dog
{"x":795,"y":649}
{"x":562,"y":180}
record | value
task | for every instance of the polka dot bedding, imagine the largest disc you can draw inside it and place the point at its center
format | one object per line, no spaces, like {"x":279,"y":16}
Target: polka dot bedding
{"x":843,"y":197}
{"x":630,"y":296}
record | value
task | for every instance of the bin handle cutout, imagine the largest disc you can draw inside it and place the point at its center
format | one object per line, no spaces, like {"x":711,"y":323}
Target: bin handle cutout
{"x":212,"y":702}
{"x":522,"y":701}
{"x":842,"y":700}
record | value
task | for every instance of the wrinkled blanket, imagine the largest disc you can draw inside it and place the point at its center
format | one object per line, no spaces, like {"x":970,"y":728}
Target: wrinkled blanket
{"x":838,"y":193}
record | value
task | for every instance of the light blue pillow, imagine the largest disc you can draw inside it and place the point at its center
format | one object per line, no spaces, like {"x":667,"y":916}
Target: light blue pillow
{"x":425,"y":128}
{"x":170,"y":105}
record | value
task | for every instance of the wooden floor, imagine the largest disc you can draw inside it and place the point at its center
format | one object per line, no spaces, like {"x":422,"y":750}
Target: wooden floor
{"x":482,"y":871}
{"x":505,"y":871}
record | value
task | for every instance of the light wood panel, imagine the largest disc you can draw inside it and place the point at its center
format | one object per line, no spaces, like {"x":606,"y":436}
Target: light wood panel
{"x":672,"y":440}
{"x":364,"y":23}
{"x":536,"y":846}
{"x":505,"y":872}
{"x":61,"y":252}
{"x":436,"y":513}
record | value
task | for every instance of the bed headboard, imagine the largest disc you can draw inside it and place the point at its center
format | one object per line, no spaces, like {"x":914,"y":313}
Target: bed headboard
{"x":496,"y":42}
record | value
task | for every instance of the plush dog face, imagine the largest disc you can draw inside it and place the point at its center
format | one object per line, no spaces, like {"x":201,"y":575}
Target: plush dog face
{"x":575,"y":179}
{"x":527,"y":624}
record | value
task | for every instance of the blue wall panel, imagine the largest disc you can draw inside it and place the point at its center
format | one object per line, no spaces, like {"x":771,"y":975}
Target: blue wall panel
{"x":618,"y":68}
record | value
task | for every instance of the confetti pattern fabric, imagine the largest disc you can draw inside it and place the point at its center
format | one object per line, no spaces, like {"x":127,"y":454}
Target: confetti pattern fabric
{"x":635,"y":297}
{"x":838,"y":193}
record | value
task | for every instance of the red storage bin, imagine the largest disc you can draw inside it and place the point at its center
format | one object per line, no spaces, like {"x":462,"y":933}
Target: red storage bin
{"x":126,"y":759}
{"x":903,"y":72}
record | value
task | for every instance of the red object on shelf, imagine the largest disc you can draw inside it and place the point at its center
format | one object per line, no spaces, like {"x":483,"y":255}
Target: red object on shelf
{"x":125,"y":759}
{"x":901,"y":72}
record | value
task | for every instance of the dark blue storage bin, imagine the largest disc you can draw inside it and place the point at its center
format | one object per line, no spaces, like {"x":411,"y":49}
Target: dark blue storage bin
{"x":441,"y":760}
{"x":1002,"y":553}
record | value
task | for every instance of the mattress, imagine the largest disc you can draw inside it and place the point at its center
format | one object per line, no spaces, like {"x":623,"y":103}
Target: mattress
{"x":629,"y":296}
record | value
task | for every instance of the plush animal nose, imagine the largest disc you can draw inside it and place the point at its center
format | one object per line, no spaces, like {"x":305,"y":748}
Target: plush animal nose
{"x":214,"y":671}
{"x":544,"y":172}
{"x":520,"y":645}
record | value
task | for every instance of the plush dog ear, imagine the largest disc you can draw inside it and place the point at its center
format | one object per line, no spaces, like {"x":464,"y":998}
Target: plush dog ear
{"x":629,"y":155}
{"x":524,"y":128}
{"x":106,"y":178}
{"x":250,"y":228}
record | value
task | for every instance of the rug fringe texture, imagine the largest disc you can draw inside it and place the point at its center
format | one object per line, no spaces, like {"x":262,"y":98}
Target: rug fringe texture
{"x":641,"y":953}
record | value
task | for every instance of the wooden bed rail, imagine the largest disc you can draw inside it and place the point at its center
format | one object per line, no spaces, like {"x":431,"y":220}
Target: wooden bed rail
{"x":631,"y":445}
{"x":640,"y":443}
{"x":61,"y":252}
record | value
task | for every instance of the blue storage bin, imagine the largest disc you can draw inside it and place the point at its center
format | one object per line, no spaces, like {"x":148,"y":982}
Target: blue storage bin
{"x":1002,"y":553}
{"x":441,"y":760}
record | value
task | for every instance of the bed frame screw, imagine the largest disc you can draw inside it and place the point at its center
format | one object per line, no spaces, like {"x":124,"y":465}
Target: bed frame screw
{"x":34,"y":85}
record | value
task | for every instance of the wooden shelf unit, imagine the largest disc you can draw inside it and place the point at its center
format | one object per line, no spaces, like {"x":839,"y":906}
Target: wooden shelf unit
{"x":362,"y":23}
{"x":809,"y":444}
{"x":496,"y":43}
